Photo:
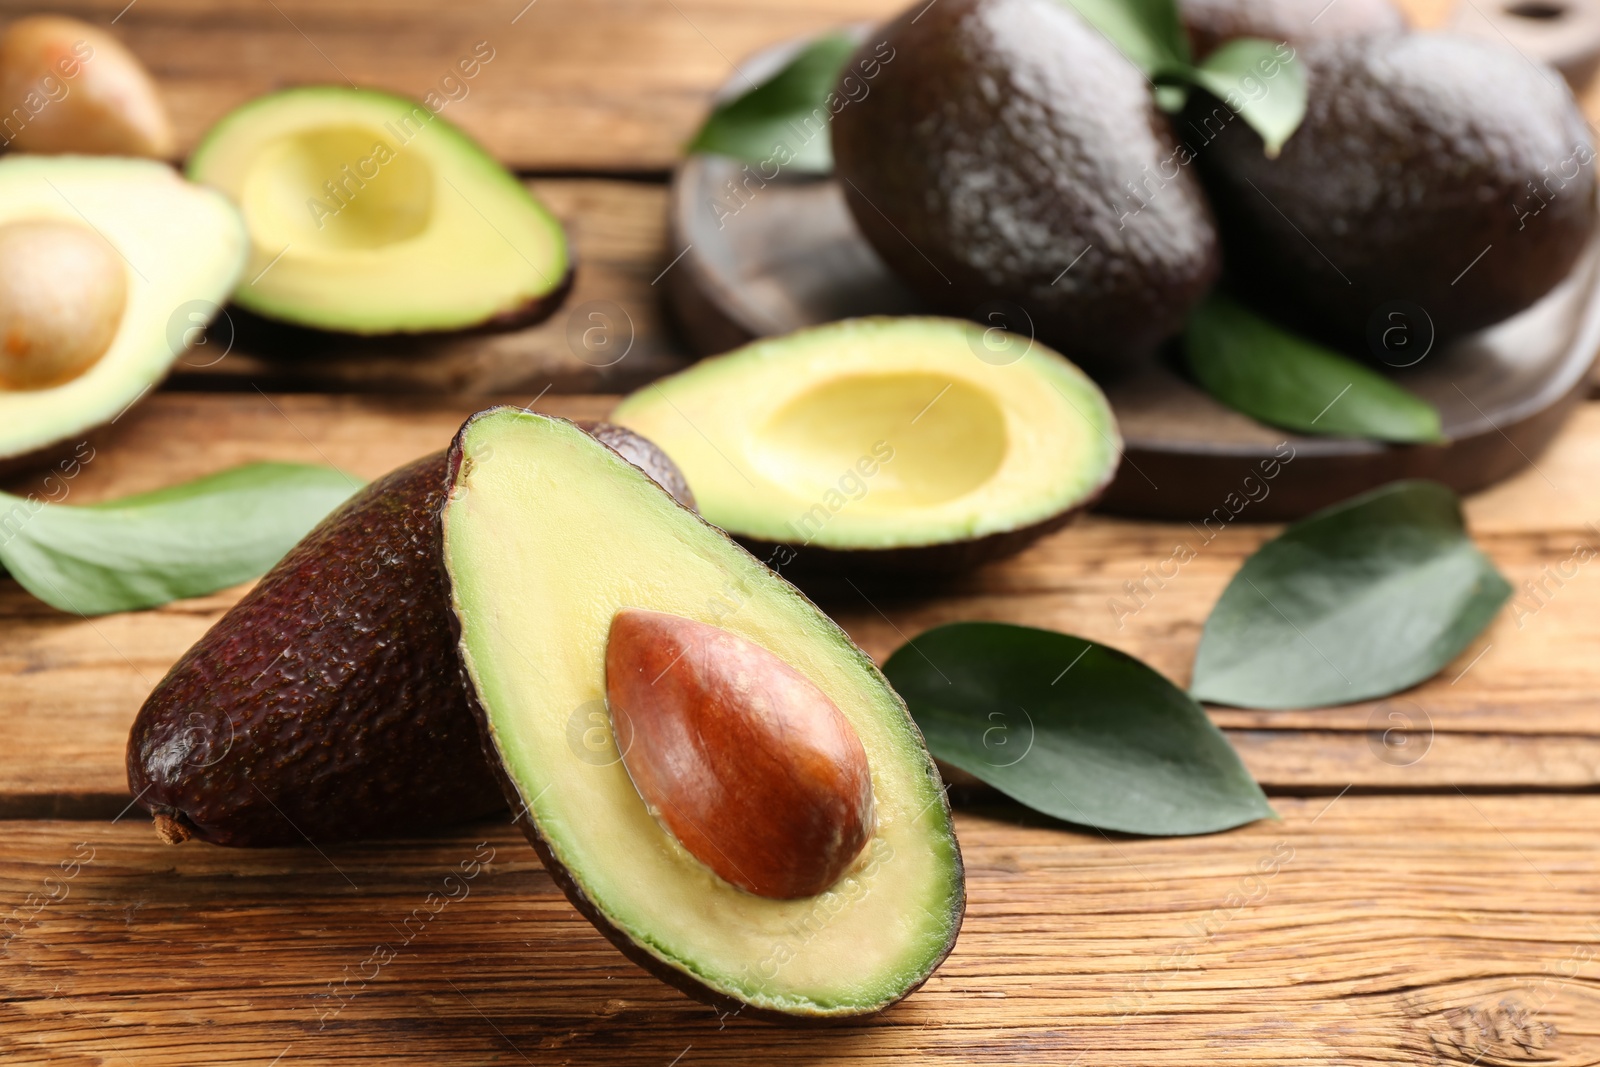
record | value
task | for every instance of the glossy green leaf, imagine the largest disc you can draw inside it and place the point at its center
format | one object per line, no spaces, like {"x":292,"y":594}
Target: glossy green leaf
{"x":1262,"y":82}
{"x":1263,"y":370}
{"x":1357,"y":602}
{"x":1148,"y":32}
{"x":783,"y":122}
{"x":182,"y":541}
{"x":1073,"y":729}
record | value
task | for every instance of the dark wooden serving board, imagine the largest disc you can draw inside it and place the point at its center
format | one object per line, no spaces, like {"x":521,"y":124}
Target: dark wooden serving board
{"x":764,"y":258}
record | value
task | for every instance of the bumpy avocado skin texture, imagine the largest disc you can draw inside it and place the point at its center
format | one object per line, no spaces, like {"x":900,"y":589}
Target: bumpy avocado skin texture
{"x":1418,"y":153}
{"x":996,"y":147}
{"x":328,"y":704}
{"x":563,"y":878}
{"x":1211,"y":22}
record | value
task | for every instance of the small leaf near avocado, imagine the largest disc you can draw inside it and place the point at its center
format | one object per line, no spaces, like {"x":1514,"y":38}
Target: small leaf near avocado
{"x":1263,"y":370}
{"x":1258,"y":79}
{"x":182,"y":541}
{"x":1148,"y":32}
{"x":1357,"y":602}
{"x":1258,"y":82}
{"x":769,"y":121}
{"x":1073,"y":729}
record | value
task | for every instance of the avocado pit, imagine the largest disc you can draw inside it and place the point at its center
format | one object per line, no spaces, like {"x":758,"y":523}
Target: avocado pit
{"x":62,"y":297}
{"x":739,"y":756}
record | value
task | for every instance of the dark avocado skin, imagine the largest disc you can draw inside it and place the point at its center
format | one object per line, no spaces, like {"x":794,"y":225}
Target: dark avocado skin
{"x":328,"y":704}
{"x":1211,"y":22}
{"x":563,"y":879}
{"x":1418,"y":152}
{"x":643,"y":453}
{"x":995,"y":147}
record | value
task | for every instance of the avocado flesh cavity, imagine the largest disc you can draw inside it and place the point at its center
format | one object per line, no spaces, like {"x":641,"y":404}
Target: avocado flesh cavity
{"x":370,"y":214}
{"x":181,"y":247}
{"x":1444,"y":171}
{"x":885,"y":441}
{"x":547,"y":536}
{"x":1009,"y":153}
{"x":328,"y":704}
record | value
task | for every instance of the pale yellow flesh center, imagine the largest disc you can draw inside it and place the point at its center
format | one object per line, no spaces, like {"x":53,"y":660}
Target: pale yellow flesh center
{"x":337,"y":189}
{"x":947,"y":438}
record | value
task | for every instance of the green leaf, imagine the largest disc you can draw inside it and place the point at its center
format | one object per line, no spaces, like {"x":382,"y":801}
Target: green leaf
{"x":1357,"y":602}
{"x":1270,"y":374}
{"x":1148,"y":32}
{"x":786,"y":118}
{"x":1252,"y":77}
{"x":182,"y":541}
{"x":1073,"y":729}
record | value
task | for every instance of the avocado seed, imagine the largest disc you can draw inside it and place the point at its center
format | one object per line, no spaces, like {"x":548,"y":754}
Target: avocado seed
{"x":67,"y":86}
{"x":62,"y":293}
{"x":738,"y":755}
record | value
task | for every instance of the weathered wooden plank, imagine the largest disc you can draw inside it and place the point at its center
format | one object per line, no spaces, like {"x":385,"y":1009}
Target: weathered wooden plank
{"x":1445,"y":930}
{"x":1517,"y":711}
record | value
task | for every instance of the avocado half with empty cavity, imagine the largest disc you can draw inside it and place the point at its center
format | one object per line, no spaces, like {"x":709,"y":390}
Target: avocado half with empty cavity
{"x":592,"y":607}
{"x":109,"y":268}
{"x":920,"y":444}
{"x":370,"y":214}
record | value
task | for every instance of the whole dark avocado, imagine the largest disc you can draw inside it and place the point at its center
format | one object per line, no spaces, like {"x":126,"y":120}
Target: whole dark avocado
{"x":328,"y":704}
{"x":1008,"y":152}
{"x":1211,"y":22}
{"x":1442,"y":171}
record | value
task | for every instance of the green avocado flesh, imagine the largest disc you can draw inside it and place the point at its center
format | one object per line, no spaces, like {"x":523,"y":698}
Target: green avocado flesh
{"x":547,"y":534}
{"x":370,"y":214}
{"x":183,"y":247}
{"x":882,"y":433}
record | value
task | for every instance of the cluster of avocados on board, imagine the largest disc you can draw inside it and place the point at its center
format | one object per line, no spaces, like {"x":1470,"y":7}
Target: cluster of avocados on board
{"x":1010,"y":152}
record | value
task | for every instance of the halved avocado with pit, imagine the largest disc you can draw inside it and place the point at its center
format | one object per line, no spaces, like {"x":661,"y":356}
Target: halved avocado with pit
{"x":178,"y":249}
{"x":915,"y":443}
{"x":549,"y":539}
{"x":370,"y":214}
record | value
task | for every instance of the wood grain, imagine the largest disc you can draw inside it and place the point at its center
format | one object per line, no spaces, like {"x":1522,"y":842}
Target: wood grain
{"x":1424,"y":930}
{"x":1516,"y":711}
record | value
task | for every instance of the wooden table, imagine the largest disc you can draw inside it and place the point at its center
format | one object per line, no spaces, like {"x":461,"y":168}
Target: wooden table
{"x":1439,"y":903}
